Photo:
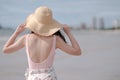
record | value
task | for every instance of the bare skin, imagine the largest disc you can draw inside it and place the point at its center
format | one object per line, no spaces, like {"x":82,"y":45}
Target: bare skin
{"x":41,"y":44}
{"x":73,"y":49}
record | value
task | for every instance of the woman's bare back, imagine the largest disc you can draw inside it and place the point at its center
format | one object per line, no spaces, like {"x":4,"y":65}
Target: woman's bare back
{"x":39,"y":47}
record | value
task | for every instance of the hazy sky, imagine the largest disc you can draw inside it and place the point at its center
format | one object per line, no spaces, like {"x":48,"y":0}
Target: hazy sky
{"x":73,"y":12}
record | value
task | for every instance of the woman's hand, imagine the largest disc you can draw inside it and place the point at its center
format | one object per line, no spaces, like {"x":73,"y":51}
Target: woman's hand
{"x":20,"y":28}
{"x":66,"y":28}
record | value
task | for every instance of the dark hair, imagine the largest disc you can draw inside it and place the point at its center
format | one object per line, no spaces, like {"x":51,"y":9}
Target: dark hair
{"x":58,"y":33}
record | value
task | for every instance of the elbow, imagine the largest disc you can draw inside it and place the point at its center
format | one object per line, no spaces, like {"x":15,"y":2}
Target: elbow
{"x":77,"y":52}
{"x":4,"y":51}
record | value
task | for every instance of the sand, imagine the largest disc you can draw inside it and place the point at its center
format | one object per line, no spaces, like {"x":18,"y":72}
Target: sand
{"x":100,"y":59}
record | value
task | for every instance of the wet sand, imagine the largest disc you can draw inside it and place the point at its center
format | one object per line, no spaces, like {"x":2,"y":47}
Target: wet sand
{"x":100,"y":59}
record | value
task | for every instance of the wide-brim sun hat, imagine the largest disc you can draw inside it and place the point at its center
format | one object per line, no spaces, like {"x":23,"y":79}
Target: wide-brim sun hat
{"x":42,"y":22}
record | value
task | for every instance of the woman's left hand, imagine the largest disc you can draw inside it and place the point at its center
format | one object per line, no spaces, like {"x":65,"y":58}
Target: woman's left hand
{"x":20,"y":28}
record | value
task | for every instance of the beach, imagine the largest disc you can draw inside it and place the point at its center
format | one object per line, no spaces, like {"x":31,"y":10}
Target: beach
{"x":100,"y":58}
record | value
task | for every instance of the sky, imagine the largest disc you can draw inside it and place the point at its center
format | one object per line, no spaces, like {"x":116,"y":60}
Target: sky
{"x":71,"y":12}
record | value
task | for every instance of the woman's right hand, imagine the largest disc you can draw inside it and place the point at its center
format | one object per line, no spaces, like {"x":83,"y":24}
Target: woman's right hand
{"x":66,"y":28}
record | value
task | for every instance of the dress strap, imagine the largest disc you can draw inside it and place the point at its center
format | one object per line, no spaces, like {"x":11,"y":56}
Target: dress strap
{"x":54,"y":41}
{"x":27,"y":50}
{"x":27,"y":42}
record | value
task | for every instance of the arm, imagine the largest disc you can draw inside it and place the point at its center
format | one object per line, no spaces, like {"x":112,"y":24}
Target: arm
{"x":72,"y":49}
{"x":11,"y":45}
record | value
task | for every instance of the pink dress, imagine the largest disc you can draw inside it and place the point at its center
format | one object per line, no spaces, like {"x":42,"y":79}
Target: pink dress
{"x":44,"y":69}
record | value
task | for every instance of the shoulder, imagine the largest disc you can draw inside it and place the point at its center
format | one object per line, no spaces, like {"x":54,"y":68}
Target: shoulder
{"x":59,"y":42}
{"x":23,"y":37}
{"x":59,"y":39}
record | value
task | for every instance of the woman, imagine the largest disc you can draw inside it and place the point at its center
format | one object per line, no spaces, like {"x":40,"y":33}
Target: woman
{"x":42,"y":43}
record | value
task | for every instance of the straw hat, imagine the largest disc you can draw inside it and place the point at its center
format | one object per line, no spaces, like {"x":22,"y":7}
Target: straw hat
{"x":42,"y":22}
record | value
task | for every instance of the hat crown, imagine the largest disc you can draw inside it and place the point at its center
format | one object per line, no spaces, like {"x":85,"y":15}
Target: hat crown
{"x":43,"y":14}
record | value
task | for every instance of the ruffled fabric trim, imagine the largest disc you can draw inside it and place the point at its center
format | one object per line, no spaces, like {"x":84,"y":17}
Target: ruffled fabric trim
{"x":41,"y":74}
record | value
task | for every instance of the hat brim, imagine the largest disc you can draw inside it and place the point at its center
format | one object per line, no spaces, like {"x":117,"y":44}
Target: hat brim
{"x":40,"y":28}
